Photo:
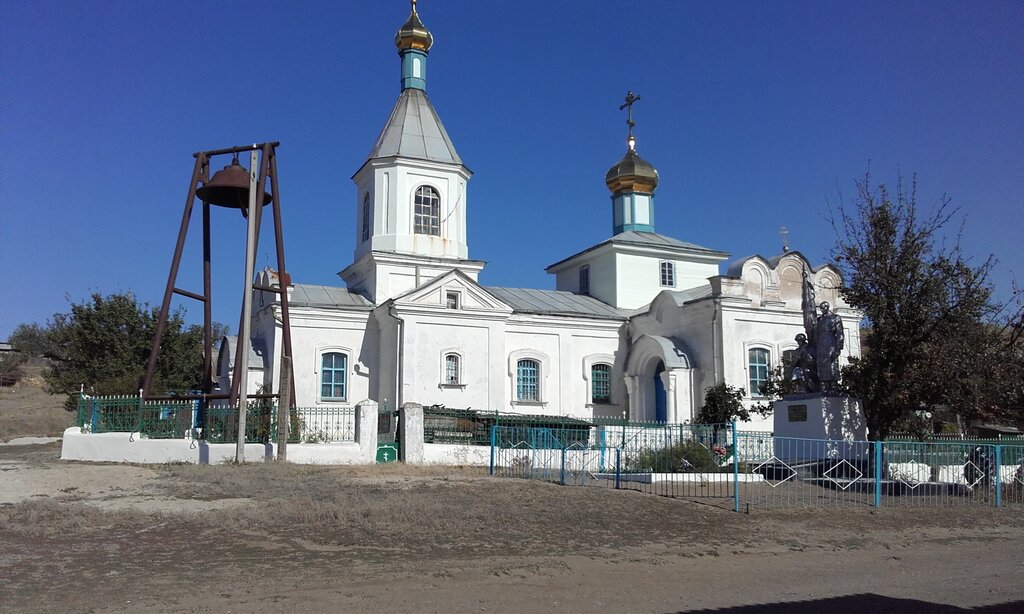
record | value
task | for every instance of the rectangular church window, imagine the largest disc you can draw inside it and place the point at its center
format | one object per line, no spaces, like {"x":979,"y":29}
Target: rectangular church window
{"x":333,"y":372}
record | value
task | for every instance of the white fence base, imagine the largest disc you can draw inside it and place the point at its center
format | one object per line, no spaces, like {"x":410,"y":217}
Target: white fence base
{"x":651,"y":478}
{"x":132,"y":448}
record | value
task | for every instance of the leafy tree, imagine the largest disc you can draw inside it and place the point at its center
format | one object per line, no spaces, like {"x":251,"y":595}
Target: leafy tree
{"x":724,"y":403}
{"x":936,"y":335}
{"x":32,"y":340}
{"x":104,"y":343}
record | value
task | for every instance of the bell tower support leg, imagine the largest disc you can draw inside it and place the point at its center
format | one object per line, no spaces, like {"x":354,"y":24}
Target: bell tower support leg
{"x":161,"y":323}
{"x":207,"y":383}
{"x":285,"y":279}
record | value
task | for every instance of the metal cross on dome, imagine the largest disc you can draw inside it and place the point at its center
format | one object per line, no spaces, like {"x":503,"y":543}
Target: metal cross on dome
{"x":630,"y":99}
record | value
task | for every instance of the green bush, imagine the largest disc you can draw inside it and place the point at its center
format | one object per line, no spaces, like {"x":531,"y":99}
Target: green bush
{"x":686,"y":457}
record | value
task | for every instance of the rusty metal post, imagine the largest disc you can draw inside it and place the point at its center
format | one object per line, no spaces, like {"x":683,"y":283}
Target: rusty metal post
{"x":165,"y":305}
{"x":207,"y":384}
{"x":283,"y":278}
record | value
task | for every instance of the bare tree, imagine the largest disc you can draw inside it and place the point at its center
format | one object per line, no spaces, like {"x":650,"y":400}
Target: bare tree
{"x":937,"y":337}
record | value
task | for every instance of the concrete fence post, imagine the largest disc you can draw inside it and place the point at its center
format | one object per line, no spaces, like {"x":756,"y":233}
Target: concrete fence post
{"x":410,"y":426}
{"x":366,"y":431}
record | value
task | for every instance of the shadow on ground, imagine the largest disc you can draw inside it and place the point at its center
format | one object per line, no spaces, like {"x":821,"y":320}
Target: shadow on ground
{"x":858,"y":604}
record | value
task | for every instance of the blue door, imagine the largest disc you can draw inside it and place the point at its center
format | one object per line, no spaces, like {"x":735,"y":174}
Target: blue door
{"x":660,"y":402}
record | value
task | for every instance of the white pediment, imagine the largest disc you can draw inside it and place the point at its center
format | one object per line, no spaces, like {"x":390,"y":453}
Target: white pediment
{"x":436,"y":292}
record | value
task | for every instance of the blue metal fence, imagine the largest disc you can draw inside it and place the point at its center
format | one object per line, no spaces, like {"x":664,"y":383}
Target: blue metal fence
{"x":681,"y":460}
{"x":748,"y":470}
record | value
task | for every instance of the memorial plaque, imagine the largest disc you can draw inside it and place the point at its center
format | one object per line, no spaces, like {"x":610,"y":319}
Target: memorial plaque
{"x":798,"y":413}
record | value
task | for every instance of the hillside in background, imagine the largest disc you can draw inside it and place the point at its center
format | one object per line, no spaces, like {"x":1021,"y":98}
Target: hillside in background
{"x":27,"y":410}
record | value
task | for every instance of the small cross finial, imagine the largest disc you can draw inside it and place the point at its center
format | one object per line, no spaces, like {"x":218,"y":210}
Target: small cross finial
{"x":785,"y":244}
{"x":630,"y":99}
{"x":413,"y":3}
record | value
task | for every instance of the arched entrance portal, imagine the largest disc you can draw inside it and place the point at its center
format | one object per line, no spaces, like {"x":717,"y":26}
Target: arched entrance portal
{"x":659,"y":380}
{"x":660,"y":399}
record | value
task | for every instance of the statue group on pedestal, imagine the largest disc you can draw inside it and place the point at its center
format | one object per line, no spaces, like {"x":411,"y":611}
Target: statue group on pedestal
{"x":814,"y":364}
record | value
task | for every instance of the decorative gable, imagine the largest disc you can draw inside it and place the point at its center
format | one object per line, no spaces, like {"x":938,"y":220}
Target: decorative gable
{"x":453,"y":290}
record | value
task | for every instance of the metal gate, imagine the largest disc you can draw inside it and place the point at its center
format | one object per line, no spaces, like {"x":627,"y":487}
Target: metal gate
{"x":388,"y":440}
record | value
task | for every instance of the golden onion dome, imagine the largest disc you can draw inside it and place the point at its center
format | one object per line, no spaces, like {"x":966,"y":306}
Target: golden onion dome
{"x":631,"y":174}
{"x":413,"y":34}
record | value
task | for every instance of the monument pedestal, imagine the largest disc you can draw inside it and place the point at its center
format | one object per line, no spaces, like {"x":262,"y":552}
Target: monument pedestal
{"x":804,"y":421}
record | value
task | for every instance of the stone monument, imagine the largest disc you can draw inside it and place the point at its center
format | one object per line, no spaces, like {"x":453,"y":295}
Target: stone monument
{"x":818,"y":410}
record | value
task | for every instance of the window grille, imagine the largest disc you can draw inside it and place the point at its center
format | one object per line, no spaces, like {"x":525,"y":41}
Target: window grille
{"x":427,"y":212}
{"x":601,"y":383}
{"x":527,"y":378}
{"x":451,"y":369}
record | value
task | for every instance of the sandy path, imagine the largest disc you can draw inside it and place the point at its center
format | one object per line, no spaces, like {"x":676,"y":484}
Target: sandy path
{"x":931,"y":577}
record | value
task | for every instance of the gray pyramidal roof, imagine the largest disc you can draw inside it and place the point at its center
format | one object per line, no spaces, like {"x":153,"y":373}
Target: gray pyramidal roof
{"x":415,"y":131}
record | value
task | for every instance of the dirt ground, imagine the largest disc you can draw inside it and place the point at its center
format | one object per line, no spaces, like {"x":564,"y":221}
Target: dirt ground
{"x":176,"y":538}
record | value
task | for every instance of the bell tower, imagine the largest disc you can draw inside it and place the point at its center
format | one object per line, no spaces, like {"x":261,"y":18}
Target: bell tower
{"x":411,"y":191}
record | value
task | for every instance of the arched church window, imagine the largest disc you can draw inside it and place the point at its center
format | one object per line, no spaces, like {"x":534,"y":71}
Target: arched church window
{"x":668,"y":273}
{"x":758,"y":360}
{"x":366,"y":216}
{"x":527,"y":380}
{"x":427,"y":212}
{"x":333,"y":376}
{"x":585,"y":279}
{"x":601,"y":383}
{"x":451,"y":369}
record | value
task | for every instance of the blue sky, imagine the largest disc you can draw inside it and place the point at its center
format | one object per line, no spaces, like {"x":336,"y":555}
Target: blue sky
{"x":755,"y":113}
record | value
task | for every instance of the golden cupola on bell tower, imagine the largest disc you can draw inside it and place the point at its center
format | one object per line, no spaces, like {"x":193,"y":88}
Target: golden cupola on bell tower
{"x":632,"y":181}
{"x":414,"y":41}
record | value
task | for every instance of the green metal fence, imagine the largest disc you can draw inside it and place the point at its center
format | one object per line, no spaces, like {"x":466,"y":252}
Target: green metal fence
{"x":473,"y":427}
{"x":186,"y":418}
{"x":157,"y":419}
{"x":326,"y":424}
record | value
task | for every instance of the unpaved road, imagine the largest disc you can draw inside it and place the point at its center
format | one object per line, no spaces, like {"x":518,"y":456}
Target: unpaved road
{"x":115,"y":538}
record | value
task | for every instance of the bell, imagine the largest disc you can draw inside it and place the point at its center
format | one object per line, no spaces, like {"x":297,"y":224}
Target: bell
{"x":229,"y":187}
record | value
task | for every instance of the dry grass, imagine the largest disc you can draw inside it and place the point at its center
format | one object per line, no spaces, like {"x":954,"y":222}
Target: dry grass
{"x":342,"y":527}
{"x":431,"y":508}
{"x":27,"y":410}
{"x":50,"y":518}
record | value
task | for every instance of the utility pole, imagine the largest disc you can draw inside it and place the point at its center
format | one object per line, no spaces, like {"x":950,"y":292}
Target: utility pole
{"x":284,"y":408}
{"x":244,"y":341}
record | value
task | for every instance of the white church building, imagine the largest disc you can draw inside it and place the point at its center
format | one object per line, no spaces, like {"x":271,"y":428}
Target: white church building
{"x":639,"y":325}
